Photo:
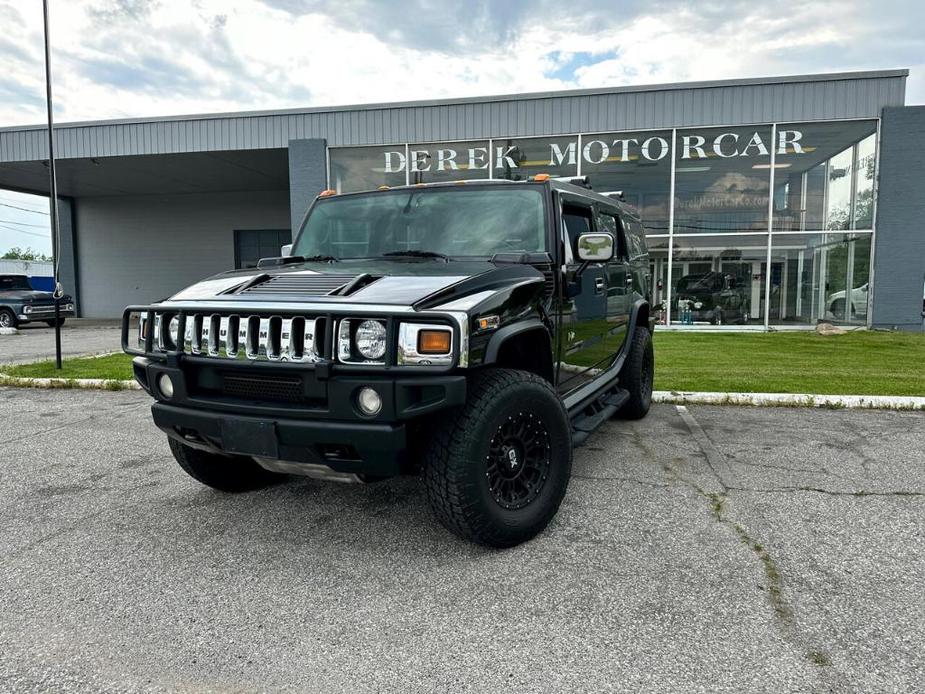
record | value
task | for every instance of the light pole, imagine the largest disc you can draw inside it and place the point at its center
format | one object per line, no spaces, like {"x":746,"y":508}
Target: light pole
{"x":52,"y":189}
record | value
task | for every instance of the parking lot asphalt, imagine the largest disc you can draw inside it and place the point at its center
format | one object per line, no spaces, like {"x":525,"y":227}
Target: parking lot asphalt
{"x":78,"y":336}
{"x":713,"y":549}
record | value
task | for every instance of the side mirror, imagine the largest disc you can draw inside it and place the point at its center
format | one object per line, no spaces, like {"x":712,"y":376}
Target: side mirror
{"x":595,"y":248}
{"x":286,"y":250}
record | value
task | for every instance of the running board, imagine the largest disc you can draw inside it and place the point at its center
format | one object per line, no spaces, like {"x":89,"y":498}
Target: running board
{"x":596,"y":414}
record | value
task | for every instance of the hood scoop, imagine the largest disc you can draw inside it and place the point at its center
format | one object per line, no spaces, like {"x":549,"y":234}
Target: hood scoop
{"x":291,"y":283}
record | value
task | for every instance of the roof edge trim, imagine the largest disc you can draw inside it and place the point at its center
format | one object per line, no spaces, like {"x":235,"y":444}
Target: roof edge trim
{"x":565,"y":93}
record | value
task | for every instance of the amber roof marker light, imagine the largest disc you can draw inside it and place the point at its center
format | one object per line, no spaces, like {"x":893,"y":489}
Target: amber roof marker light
{"x":327,"y":193}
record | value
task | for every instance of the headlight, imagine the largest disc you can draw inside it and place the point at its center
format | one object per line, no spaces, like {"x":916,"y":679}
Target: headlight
{"x":69,"y":307}
{"x":370,"y":339}
{"x":173,"y":330}
{"x":27,"y":309}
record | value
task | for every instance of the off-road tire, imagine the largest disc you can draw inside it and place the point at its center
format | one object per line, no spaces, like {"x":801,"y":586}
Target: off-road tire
{"x":456,"y":459}
{"x":51,"y":323}
{"x":8,"y":318}
{"x":223,"y":472}
{"x":637,"y":374}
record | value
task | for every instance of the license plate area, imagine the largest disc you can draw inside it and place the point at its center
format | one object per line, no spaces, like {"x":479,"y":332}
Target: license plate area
{"x":250,"y":437}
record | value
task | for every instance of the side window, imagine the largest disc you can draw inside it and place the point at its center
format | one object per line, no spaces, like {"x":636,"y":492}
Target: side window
{"x":577,"y":221}
{"x":612,"y":224}
{"x":636,"y":240}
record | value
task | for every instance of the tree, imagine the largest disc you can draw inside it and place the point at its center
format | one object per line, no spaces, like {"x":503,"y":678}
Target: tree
{"x":17,"y":253}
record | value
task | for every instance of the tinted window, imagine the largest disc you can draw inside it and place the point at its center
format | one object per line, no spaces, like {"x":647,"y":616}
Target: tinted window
{"x":577,"y":221}
{"x":613,"y":226}
{"x":13,"y":282}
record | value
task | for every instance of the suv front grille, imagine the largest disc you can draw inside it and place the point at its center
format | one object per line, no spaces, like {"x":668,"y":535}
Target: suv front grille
{"x":254,"y":338}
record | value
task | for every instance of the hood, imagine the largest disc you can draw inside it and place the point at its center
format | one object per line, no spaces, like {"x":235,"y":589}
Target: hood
{"x":30,"y":295}
{"x":417,"y":283}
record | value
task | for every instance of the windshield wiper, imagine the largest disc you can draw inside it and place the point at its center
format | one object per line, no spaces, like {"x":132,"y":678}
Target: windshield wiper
{"x":417,"y":254}
{"x":292,"y":259}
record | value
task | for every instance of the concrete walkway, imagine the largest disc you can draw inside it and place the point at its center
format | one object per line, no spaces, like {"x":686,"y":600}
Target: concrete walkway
{"x":79,"y":336}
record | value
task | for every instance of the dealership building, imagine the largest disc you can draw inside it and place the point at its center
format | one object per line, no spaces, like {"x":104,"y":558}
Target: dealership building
{"x":798,"y":198}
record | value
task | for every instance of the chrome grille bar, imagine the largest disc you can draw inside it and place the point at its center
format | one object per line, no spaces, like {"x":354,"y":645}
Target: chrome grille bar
{"x":255,"y":338}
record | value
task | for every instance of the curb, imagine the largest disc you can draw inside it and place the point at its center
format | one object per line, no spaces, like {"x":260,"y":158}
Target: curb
{"x":65,"y":383}
{"x":864,"y":402}
{"x":674,"y":397}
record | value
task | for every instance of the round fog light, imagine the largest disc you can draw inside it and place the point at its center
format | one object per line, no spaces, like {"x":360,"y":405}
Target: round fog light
{"x":165,"y":385}
{"x":369,"y":401}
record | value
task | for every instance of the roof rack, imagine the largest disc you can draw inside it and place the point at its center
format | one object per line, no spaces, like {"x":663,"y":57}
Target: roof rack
{"x":581,"y":181}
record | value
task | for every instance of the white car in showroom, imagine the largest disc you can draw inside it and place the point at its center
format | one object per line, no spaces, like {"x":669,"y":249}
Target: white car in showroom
{"x":835,"y":305}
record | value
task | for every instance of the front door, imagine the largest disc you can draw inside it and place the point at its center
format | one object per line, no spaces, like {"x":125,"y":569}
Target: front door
{"x":584,"y":309}
{"x":619,"y":283}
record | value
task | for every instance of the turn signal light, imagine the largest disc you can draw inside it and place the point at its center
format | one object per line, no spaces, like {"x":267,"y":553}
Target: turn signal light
{"x":434,"y":342}
{"x":327,"y":193}
{"x":541,"y":177}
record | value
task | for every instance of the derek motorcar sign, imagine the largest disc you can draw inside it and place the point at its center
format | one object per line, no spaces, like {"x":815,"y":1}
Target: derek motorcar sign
{"x":725,"y":145}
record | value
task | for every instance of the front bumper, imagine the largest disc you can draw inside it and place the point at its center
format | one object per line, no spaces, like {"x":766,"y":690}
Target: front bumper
{"x":43,"y":313}
{"x":325,"y":427}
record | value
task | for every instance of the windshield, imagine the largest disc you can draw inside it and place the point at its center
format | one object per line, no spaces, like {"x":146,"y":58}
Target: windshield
{"x":454,"y":222}
{"x":13,"y":282}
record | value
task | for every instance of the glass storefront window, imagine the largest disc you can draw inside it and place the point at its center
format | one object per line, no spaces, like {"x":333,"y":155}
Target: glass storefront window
{"x":658,"y":269}
{"x":718,"y":280}
{"x":366,"y":168}
{"x":636,"y":163}
{"x":820,"y":277}
{"x":448,"y":161}
{"x":722,"y":180}
{"x":864,"y":192}
{"x":517,"y":159}
{"x":824,"y":174}
{"x":821,"y":195}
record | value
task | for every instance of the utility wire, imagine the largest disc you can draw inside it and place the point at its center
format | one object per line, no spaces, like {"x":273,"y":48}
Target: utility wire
{"x":23,"y":231}
{"x":24,"y":209}
{"x":24,"y":224}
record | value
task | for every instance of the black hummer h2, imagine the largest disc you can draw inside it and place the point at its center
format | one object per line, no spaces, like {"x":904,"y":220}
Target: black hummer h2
{"x":471,"y":332}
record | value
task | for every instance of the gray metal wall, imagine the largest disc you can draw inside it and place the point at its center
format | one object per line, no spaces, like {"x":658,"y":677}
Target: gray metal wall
{"x":813,"y":97}
{"x":139,"y":249}
{"x":308,"y":176}
{"x":899,"y":254}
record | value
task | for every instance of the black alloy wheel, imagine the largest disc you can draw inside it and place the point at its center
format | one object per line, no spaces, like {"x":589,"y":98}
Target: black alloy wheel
{"x":517,"y":463}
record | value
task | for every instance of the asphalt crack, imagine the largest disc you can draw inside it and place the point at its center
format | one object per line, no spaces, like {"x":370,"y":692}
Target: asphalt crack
{"x":782,"y":610}
{"x":861,"y":493}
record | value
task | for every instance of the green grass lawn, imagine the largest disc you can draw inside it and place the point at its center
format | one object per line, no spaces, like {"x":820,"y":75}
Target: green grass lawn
{"x":116,"y":367}
{"x":857,"y":363}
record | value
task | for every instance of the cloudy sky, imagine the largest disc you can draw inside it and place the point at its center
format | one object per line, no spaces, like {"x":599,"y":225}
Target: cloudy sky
{"x":124,"y":58}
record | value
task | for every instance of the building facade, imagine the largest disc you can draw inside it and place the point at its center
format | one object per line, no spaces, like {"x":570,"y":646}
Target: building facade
{"x":781,"y":201}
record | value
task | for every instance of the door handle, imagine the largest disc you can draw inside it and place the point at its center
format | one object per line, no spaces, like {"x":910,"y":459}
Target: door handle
{"x":599,"y":285}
